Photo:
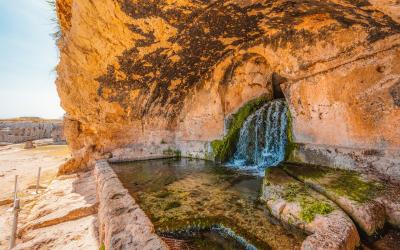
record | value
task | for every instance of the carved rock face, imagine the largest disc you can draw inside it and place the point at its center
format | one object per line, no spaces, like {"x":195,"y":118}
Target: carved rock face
{"x":134,"y":74}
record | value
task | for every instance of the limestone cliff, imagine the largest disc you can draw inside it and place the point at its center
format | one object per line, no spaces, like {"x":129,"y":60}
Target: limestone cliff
{"x":143,"y":77}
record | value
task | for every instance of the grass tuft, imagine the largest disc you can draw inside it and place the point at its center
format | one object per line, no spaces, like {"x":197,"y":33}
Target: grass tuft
{"x":56,"y":35}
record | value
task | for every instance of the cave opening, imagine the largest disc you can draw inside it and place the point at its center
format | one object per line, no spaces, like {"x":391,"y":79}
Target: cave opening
{"x":277,"y":80}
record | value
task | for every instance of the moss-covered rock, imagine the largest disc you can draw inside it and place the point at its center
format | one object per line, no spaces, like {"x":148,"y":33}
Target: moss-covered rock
{"x":224,"y":149}
{"x":299,"y":205}
{"x":369,"y":202}
{"x":291,"y":146}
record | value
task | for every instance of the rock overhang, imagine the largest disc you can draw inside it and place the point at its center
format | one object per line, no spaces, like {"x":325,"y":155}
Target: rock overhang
{"x":177,"y":45}
{"x":136,"y":73}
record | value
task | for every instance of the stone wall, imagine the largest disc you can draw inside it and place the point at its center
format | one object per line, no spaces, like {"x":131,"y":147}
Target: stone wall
{"x":13,"y":131}
{"x":122,"y":223}
{"x":139,"y":81}
{"x":348,"y":116}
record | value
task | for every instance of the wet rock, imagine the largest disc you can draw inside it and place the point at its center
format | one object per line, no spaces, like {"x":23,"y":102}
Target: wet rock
{"x":298,"y":205}
{"x":369,"y":202}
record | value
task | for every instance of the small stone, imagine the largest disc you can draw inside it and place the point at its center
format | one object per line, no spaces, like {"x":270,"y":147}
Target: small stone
{"x":29,"y":145}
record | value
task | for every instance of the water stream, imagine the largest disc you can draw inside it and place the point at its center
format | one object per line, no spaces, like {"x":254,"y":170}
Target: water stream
{"x":263,"y":138}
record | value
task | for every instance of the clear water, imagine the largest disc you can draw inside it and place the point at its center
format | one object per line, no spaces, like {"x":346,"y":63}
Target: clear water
{"x":200,"y":205}
{"x":262,"y":139}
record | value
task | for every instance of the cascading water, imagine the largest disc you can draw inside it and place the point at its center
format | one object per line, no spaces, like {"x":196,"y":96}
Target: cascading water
{"x":263,"y":138}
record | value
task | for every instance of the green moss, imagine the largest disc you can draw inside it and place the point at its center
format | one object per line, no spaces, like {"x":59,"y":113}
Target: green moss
{"x":304,"y":172}
{"x":171,"y":205}
{"x":339,"y":181}
{"x":351,"y":185}
{"x":224,"y":149}
{"x":311,"y":208}
{"x":163,"y":194}
{"x":206,"y":223}
{"x":291,"y":146}
{"x":293,"y":192}
{"x":102,"y":247}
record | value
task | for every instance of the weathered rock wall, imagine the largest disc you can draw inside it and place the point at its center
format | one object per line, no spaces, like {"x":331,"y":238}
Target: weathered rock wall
{"x":22,"y":131}
{"x":122,"y":224}
{"x":141,"y":78}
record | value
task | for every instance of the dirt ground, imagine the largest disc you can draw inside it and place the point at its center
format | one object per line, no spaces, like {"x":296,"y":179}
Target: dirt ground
{"x":15,"y":160}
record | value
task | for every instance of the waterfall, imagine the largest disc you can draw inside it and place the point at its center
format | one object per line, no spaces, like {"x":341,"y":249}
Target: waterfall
{"x":263,"y":138}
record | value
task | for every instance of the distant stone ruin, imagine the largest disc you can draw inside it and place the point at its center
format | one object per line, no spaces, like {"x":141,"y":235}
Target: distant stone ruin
{"x":24,"y":130}
{"x":29,"y":145}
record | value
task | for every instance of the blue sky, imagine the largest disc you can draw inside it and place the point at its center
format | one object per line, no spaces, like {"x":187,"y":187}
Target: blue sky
{"x":28,"y":56}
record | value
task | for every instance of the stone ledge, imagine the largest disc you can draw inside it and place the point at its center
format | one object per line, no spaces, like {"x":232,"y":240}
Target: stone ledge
{"x":368,"y":201}
{"x":67,"y":198}
{"x":122,"y":224}
{"x":297,"y":205}
{"x":140,"y":158}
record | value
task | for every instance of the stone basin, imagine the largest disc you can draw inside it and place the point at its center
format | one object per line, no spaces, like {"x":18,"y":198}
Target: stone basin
{"x":195,"y":204}
{"x":184,"y":196}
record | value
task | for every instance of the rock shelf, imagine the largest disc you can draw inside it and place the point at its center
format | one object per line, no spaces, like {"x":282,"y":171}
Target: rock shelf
{"x":368,"y":201}
{"x":298,"y":205}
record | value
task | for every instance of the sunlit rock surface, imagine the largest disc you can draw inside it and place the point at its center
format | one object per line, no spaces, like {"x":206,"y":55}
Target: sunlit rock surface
{"x":142,"y":77}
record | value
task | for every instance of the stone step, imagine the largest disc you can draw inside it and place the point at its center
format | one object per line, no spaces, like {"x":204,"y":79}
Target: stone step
{"x":67,"y":198}
{"x":76,"y":234}
{"x":368,"y":201}
{"x":298,"y":205}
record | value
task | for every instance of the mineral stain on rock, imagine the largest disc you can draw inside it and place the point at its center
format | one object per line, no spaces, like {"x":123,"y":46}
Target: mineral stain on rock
{"x":183,"y":42}
{"x":395,"y":93}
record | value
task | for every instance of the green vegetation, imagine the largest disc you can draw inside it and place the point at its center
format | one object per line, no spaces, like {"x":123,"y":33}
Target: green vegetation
{"x":311,"y":209}
{"x":163,"y":194}
{"x":224,"y":149}
{"x":304,"y":171}
{"x":163,"y":142}
{"x":350,"y":184}
{"x":171,"y":205}
{"x":102,"y":247}
{"x":339,"y":181}
{"x":57,"y":33}
{"x":291,"y":145}
{"x":293,"y":191}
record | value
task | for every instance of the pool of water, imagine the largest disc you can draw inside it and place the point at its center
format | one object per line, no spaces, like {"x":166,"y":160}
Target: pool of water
{"x":204,"y":205}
